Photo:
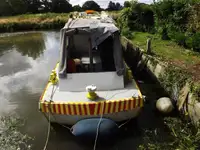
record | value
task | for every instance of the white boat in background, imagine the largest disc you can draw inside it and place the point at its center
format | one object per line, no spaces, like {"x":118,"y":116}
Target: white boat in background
{"x":91,"y":79}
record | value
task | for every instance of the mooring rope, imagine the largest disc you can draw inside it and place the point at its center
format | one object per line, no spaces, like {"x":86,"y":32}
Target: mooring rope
{"x":49,"y":123}
{"x":48,"y":133}
{"x":99,"y":123}
{"x":124,"y":123}
{"x":98,"y":126}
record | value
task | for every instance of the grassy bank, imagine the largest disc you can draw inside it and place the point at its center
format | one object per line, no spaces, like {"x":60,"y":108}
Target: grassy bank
{"x":33,"y":22}
{"x":184,"y":64}
{"x":170,"y":52}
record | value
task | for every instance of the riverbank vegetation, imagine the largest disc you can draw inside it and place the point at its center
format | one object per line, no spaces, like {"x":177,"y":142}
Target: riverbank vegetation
{"x":18,"y":7}
{"x":173,"y":27}
{"x":176,"y":134}
{"x":175,"y":20}
{"x":33,"y":22}
{"x":22,"y":44}
{"x":22,"y":15}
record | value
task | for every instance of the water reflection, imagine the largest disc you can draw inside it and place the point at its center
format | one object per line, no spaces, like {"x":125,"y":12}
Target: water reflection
{"x":32,"y":44}
{"x":23,"y":57}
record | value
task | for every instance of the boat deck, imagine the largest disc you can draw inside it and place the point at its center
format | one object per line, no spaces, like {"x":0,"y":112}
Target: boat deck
{"x":130,"y":90}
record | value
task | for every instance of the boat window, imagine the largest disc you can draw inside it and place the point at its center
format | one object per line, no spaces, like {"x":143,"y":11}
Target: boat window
{"x":78,"y":60}
{"x":106,"y":54}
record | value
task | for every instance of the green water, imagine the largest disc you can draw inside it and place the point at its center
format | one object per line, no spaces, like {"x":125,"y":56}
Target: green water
{"x":26,"y":60}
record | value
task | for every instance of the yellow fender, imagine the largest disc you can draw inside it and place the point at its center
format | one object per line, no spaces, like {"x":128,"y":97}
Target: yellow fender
{"x":53,"y":77}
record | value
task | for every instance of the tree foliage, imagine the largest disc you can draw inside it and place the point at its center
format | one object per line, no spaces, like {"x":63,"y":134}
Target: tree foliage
{"x":77,"y":8}
{"x":15,"y":7}
{"x":114,"y":6}
{"x":127,"y":4}
{"x":91,"y":5}
{"x":138,"y":16}
{"x":5,"y":8}
{"x":61,"y":6}
{"x":33,"y":6}
{"x":177,"y":20}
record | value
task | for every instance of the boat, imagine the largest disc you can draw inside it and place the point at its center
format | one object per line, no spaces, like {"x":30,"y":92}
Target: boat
{"x":91,"y":79}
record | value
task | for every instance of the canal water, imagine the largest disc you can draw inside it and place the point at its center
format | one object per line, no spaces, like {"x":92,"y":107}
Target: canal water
{"x":26,"y":60}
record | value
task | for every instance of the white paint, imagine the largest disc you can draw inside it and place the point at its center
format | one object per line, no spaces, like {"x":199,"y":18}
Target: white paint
{"x":67,"y":96}
{"x":102,"y":80}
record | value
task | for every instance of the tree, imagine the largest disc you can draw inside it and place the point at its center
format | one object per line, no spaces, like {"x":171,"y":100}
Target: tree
{"x":111,"y":6}
{"x":91,"y":5}
{"x":18,"y":6}
{"x":12,"y":7}
{"x":127,"y":4}
{"x":61,"y":6}
{"x":47,"y":5}
{"x":139,"y":17}
{"x":114,"y":6}
{"x":77,"y":8}
{"x":118,"y":6}
{"x":5,"y":8}
{"x":33,"y":5}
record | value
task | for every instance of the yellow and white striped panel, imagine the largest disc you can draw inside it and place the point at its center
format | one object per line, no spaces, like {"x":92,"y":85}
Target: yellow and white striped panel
{"x":92,"y":108}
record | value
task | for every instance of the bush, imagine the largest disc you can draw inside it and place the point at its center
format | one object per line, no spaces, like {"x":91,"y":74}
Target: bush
{"x":180,"y":38}
{"x":196,"y":42}
{"x":137,"y":17}
{"x":188,"y":42}
{"x":126,"y":32}
{"x":164,"y":34}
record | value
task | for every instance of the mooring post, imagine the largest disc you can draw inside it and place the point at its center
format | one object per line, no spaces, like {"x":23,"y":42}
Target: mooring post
{"x":149,"y":46}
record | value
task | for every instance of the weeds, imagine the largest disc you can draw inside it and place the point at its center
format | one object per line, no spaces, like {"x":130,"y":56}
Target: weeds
{"x":173,"y":76}
{"x":178,"y":135}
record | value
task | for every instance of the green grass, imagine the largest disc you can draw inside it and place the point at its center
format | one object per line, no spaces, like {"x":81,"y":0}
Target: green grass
{"x":33,"y":22}
{"x":167,"y":50}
